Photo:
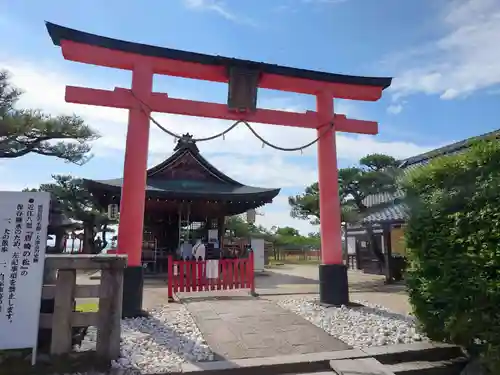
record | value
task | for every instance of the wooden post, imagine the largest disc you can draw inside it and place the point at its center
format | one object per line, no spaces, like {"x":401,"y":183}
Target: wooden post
{"x":110,"y":312}
{"x":63,"y":308}
{"x":386,"y":233}
{"x":65,"y":290}
{"x":252,"y":273}
{"x":170,"y":278}
{"x":345,"y":250}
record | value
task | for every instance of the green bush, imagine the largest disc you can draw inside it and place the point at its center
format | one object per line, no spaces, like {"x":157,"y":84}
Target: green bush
{"x":453,"y":236}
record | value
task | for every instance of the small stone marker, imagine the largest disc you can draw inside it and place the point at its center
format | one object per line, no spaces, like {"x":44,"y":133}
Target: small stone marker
{"x":361,"y":366}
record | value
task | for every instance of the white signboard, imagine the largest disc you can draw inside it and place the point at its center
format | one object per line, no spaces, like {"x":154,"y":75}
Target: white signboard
{"x":257,"y":245}
{"x":23,"y":230}
{"x":213,"y":236}
{"x":351,"y":245}
{"x":212,"y":269}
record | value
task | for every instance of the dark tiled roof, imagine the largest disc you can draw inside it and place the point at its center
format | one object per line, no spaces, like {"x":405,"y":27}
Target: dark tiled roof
{"x":454,"y":148}
{"x":391,"y":214}
{"x":192,"y":189}
{"x":397,"y":211}
{"x":376,"y":199}
{"x":218,"y":187}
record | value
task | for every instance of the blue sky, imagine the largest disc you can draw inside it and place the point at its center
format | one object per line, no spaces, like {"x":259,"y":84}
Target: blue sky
{"x":443,"y":55}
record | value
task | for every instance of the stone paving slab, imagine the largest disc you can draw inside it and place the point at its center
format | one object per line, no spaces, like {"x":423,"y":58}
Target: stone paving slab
{"x":253,"y":328}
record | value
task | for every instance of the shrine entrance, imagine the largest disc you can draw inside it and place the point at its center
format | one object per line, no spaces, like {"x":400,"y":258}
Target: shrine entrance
{"x":244,"y":78}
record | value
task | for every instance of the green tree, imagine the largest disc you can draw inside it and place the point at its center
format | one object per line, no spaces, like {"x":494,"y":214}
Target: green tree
{"x":24,"y":131}
{"x":76,"y":202}
{"x":376,"y":173}
{"x":291,"y":237}
{"x":453,"y":236}
{"x":287,"y":232}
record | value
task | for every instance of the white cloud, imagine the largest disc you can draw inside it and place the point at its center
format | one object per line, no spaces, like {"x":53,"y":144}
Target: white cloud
{"x":463,"y":60}
{"x":271,"y":171}
{"x":395,"y":109}
{"x":219,"y":8}
{"x":279,"y":215}
{"x":240,"y":155}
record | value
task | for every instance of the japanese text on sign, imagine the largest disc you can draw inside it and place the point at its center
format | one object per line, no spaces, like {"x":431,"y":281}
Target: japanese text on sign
{"x":23,"y":234}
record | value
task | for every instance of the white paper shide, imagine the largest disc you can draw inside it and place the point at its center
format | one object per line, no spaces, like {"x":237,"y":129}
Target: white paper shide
{"x":24,"y":219}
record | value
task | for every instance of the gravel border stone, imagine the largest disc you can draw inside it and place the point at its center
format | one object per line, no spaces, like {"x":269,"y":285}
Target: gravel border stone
{"x":364,"y":326}
{"x":160,"y":343}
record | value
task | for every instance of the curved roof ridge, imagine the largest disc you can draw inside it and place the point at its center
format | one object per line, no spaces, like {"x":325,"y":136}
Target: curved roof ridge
{"x":448,"y":149}
{"x":182,"y":148}
{"x":59,"y":33}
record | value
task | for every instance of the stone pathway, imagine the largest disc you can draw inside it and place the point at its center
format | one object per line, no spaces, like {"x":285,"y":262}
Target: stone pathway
{"x":239,"y":326}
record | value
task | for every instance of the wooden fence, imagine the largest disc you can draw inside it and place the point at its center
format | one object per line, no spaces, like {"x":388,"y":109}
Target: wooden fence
{"x":295,"y":255}
{"x":65,"y":290}
{"x":205,"y":275}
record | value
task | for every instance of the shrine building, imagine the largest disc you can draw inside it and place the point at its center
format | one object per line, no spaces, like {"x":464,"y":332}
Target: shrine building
{"x":187,"y":199}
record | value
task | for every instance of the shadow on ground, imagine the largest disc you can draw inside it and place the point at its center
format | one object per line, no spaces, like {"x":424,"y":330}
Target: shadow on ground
{"x":272,"y":279}
{"x":378,"y":286}
{"x":387,"y":314}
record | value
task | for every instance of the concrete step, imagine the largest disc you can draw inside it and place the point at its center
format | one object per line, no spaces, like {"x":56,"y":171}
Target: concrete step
{"x":417,"y":352}
{"x":404,"y":359}
{"x":446,"y":367}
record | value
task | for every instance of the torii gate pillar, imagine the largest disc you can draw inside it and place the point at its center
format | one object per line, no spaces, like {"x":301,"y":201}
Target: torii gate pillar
{"x":333,"y":282}
{"x":244,"y":78}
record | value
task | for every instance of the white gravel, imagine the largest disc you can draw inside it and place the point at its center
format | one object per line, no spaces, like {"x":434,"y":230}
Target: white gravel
{"x":158,"y":344}
{"x":369,"y":325}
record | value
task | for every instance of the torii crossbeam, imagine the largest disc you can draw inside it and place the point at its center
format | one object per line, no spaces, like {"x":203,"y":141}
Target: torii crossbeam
{"x":244,"y":78}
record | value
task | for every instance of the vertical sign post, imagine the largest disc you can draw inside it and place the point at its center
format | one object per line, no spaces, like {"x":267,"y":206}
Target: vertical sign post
{"x":24,"y":219}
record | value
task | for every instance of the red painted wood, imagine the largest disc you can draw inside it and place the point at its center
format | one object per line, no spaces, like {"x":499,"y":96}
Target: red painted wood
{"x":230,"y":283}
{"x":124,"y":60}
{"x":170,"y":270}
{"x":194,"y":278}
{"x":347,"y":125}
{"x":219,"y":276}
{"x":192,"y":275}
{"x":189,"y":276}
{"x":244,"y":277}
{"x":175,"y":278}
{"x":182,"y":276}
{"x":237,"y":274}
{"x":158,"y":102}
{"x":204,"y":278}
{"x":133,"y":194}
{"x":224,"y":273}
{"x":216,"y":282}
{"x":199,"y":275}
{"x":329,"y":204}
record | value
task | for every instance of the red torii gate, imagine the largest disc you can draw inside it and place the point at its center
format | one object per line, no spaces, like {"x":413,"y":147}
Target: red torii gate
{"x":244,"y":78}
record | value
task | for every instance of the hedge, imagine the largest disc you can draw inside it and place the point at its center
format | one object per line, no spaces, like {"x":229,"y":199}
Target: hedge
{"x":453,"y":240}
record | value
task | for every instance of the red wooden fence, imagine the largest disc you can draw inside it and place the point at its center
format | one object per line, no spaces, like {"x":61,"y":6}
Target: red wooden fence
{"x":199,"y":276}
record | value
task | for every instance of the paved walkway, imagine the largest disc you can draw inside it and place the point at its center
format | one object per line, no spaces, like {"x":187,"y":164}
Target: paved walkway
{"x":239,"y":326}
